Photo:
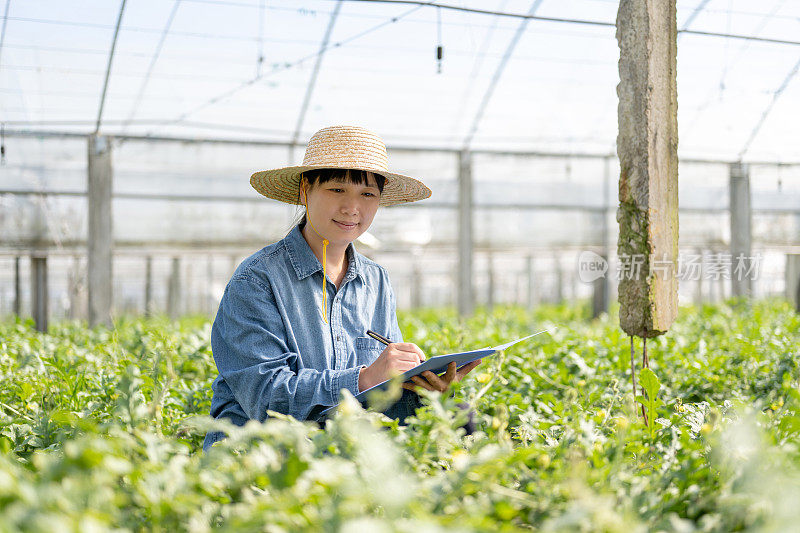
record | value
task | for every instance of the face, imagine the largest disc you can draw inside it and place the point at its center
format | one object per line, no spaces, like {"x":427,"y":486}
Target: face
{"x":341,"y":211}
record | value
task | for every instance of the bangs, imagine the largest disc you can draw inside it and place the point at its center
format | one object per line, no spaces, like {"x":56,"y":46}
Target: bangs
{"x":356,"y":177}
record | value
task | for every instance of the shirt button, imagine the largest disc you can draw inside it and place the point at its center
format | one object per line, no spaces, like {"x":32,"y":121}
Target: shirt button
{"x":338,"y":338}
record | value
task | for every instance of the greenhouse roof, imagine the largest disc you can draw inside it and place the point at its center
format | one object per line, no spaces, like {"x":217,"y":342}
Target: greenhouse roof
{"x":277,"y":71}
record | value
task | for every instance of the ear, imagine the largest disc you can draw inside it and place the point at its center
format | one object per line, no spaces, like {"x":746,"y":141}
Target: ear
{"x":303,"y":188}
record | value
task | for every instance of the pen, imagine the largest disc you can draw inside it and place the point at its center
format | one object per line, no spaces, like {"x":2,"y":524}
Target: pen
{"x":378,"y":337}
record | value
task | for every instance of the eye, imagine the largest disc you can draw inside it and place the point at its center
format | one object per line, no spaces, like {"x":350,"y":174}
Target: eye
{"x":335,"y":189}
{"x":369,"y":194}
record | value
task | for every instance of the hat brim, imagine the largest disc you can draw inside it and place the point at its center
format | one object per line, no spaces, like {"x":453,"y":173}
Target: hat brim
{"x":283,"y":184}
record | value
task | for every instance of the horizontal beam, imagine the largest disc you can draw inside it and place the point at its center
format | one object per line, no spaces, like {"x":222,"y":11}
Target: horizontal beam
{"x":414,"y":205}
{"x":400,"y":147}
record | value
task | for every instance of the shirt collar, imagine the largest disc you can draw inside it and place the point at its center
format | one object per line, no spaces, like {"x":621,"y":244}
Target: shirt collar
{"x":306,"y":263}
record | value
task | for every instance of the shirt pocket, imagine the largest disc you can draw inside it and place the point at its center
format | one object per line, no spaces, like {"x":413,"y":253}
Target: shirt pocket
{"x":368,"y":349}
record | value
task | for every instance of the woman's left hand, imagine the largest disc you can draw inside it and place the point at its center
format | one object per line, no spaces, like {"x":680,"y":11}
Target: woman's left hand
{"x":430,"y":381}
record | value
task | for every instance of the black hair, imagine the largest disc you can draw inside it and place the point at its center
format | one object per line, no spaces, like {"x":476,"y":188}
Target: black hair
{"x":323,"y":175}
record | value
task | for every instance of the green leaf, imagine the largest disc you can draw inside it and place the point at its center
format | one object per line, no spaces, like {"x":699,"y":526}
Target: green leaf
{"x":649,"y":382}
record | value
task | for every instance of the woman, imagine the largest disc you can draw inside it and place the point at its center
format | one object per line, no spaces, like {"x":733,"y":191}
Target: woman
{"x":290,"y":331}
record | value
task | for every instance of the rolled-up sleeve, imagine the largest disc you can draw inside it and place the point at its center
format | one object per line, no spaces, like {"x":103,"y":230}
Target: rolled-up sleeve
{"x":249,"y":345}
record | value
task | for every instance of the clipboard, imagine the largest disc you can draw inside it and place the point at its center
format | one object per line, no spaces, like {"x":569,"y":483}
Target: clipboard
{"x":438,"y":364}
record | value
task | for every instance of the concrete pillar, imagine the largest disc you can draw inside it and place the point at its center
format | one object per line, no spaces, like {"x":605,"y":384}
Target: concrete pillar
{"x":174,"y":289}
{"x":793,"y":280}
{"x":647,"y":145}
{"x":100,"y":238}
{"x":39,"y":292}
{"x":466,"y":299}
{"x":740,"y":216}
{"x":148,"y":286}
{"x":17,"y":288}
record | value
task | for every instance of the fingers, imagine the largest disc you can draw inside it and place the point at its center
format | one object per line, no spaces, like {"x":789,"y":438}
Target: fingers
{"x":436,"y":381}
{"x":451,"y":372}
{"x":463,"y":371}
{"x":422,"y":383}
{"x":399,"y":366}
{"x":409,"y":347}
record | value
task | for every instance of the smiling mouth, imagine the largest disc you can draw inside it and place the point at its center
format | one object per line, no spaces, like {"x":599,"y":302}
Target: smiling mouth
{"x":346,"y":225}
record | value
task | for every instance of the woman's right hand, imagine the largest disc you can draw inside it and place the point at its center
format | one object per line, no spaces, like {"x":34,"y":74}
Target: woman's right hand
{"x":395,"y":359}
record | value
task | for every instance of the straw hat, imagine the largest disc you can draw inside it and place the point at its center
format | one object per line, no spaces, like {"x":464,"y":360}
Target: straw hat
{"x":345,"y":147}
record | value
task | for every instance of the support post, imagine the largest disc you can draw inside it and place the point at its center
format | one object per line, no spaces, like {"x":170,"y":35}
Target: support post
{"x":17,"y":287}
{"x":559,"y":296}
{"x":793,"y":280}
{"x":174,"y":289}
{"x":647,"y":145}
{"x":741,"y":239}
{"x":39,"y":291}
{"x":74,"y":287}
{"x":490,"y":281}
{"x":700,"y":273}
{"x":148,"y":286}
{"x":416,"y":286}
{"x":209,"y":288}
{"x":466,"y":301}
{"x":100,"y":238}
{"x":600,"y":299}
{"x":531,"y":271}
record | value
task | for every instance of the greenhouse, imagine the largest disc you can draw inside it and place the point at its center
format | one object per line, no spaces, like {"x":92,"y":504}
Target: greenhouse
{"x":621,"y":177}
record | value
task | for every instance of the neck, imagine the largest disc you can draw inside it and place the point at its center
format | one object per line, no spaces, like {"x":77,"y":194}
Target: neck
{"x":335,"y":251}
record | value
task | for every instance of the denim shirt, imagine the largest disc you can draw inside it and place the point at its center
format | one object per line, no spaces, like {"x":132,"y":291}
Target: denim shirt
{"x":271,"y":346}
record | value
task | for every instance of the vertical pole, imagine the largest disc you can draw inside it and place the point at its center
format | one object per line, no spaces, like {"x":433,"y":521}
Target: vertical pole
{"x":17,"y":288}
{"x":100,"y":239}
{"x":148,"y":286}
{"x":647,"y":145}
{"x":559,"y":279}
{"x":699,"y":287}
{"x":740,"y":229}
{"x":187,"y":294}
{"x":490,"y":284}
{"x":416,"y":286}
{"x":209,"y":288}
{"x":174,"y":289}
{"x":73,"y":288}
{"x":529,"y":267}
{"x":793,"y":280}
{"x":39,"y":291}
{"x":466,"y":301}
{"x":600,"y":300}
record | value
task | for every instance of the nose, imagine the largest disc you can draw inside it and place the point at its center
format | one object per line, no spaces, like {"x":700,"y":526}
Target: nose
{"x":349,"y":206}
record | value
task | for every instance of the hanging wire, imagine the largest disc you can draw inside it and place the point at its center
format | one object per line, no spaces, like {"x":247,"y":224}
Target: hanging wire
{"x":768,"y":109}
{"x":287,"y":66}
{"x":3,"y":31}
{"x":715,"y":93}
{"x":260,"y":61}
{"x":108,"y":68}
{"x":152,"y":65}
{"x":3,"y":143}
{"x":439,"y":49}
